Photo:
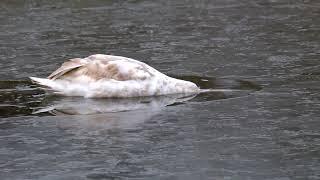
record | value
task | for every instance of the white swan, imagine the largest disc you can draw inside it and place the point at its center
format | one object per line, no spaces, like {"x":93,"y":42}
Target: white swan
{"x":102,"y":75}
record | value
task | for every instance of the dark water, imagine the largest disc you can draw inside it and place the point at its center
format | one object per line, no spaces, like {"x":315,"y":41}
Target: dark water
{"x":267,"y":51}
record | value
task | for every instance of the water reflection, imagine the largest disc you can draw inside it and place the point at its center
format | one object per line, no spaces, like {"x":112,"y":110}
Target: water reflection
{"x":82,"y":106}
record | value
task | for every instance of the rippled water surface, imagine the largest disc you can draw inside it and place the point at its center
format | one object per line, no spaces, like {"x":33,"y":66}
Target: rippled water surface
{"x":265,"y":51}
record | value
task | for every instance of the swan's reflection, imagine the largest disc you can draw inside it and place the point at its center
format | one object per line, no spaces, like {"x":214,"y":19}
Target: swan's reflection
{"x":81,"y":106}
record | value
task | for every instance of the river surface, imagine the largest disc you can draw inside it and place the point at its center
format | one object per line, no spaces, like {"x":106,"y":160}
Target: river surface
{"x":266,"y":126}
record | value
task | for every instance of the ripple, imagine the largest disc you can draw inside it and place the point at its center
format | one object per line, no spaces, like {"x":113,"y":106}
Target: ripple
{"x":22,"y":98}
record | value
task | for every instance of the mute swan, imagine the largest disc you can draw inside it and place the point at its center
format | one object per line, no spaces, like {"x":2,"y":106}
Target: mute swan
{"x":102,"y":75}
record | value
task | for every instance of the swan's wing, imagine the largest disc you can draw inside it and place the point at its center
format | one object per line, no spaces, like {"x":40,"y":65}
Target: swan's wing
{"x":66,"y":67}
{"x":124,"y":70}
{"x":97,"y":69}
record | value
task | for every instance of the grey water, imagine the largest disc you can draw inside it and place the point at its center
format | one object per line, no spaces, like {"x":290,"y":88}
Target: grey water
{"x":265,"y":51}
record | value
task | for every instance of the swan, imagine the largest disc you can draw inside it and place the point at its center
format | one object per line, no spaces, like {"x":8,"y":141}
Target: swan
{"x":108,"y":76}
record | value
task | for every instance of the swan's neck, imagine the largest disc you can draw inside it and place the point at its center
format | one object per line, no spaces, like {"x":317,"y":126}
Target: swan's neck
{"x":184,"y":86}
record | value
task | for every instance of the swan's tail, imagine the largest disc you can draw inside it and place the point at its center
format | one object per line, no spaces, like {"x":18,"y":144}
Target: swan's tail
{"x":60,"y":87}
{"x":48,"y":85}
{"x":44,"y":82}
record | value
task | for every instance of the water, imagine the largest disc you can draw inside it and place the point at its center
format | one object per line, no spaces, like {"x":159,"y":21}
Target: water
{"x":266,"y":51}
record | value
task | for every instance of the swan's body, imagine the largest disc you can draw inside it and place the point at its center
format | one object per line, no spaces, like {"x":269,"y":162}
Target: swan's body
{"x":112,"y":76}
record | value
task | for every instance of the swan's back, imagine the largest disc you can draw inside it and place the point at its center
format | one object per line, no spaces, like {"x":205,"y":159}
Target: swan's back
{"x":107,"y":67}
